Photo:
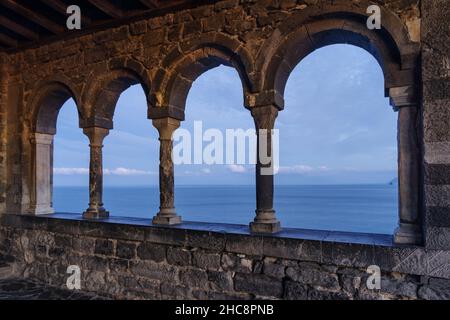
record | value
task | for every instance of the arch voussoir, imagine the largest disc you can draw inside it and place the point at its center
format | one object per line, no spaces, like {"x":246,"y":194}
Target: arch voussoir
{"x":191,"y":58}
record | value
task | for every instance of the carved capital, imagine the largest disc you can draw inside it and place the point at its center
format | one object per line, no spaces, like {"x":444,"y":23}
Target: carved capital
{"x":41,"y":138}
{"x":264,"y":116}
{"x":402,"y":97}
{"x":166,"y":127}
{"x":96,"y":135}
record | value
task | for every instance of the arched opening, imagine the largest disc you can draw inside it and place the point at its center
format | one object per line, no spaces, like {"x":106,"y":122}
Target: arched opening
{"x":338,"y":150}
{"x":70,"y":162}
{"x":213,"y":184}
{"x":103,"y":99}
{"x":46,"y":110}
{"x":131,"y":155}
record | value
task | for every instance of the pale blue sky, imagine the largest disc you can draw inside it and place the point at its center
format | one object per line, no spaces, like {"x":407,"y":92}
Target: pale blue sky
{"x":337,"y":127}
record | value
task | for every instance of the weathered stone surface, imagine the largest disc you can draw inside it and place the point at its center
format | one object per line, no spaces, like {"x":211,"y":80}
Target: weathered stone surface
{"x":126,"y":250}
{"x":313,"y":275}
{"x":194,"y":278}
{"x":206,"y":260}
{"x":295,"y":291}
{"x":151,"y":251}
{"x":261,"y":285}
{"x":179,"y":256}
{"x":104,"y":247}
{"x":221,"y":281}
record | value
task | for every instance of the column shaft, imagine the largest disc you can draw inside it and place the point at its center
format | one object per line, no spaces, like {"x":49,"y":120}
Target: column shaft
{"x":167,"y":214}
{"x":96,"y":209}
{"x":265,"y":220}
{"x":41,"y":197}
{"x":409,"y":231}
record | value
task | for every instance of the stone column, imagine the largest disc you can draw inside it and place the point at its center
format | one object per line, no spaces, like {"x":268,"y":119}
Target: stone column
{"x":41,"y":197}
{"x":96,"y":209}
{"x":265,"y":220}
{"x":166,"y":215}
{"x":409,"y":230}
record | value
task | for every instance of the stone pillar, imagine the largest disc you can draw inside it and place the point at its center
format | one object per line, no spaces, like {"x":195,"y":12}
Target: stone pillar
{"x":96,"y":209}
{"x":166,"y":215}
{"x":41,"y":193}
{"x":409,"y":230}
{"x":265,"y":220}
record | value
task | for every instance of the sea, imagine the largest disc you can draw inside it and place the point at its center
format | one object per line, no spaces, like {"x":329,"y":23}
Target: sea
{"x":352,"y":208}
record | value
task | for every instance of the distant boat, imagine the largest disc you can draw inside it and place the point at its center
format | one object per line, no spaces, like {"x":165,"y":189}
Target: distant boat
{"x":393,"y":181}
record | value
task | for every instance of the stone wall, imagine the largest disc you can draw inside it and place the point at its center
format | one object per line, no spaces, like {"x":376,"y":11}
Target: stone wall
{"x":436,"y":121}
{"x":139,"y":261}
{"x":3,"y":129}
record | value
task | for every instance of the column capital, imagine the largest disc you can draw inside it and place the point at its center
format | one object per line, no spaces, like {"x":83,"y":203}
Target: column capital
{"x":269,"y":97}
{"x":96,"y":135}
{"x":264,"y":116}
{"x":42,"y":138}
{"x":405,"y":96}
{"x":166,"y":127}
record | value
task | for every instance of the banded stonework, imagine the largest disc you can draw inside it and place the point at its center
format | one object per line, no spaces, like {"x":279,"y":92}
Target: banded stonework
{"x":164,"y":53}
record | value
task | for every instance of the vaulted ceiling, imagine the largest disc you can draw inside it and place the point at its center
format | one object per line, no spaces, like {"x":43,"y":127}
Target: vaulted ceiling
{"x":26,"y":22}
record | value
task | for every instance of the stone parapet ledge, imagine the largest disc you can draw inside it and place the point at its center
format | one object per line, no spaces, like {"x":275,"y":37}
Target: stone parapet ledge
{"x":344,"y":249}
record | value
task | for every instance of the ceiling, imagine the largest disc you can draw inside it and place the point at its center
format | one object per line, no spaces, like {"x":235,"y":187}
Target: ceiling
{"x":27,"y":22}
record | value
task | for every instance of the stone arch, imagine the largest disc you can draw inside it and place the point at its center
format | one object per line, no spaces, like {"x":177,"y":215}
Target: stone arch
{"x":103,"y":91}
{"x":313,"y":28}
{"x":191,"y":59}
{"x":46,"y":101}
{"x":340,"y":22}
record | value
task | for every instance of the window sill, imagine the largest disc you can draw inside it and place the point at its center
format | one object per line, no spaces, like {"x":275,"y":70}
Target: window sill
{"x":222,"y":228}
{"x":345,"y":249}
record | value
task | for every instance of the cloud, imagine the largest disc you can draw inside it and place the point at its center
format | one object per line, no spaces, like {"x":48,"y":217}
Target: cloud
{"x":236,"y":168}
{"x":70,"y":171}
{"x":112,"y":172}
{"x":300,"y":169}
{"x":127,"y":172}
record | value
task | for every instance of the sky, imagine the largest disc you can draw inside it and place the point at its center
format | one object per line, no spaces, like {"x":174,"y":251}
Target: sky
{"x":337,"y":128}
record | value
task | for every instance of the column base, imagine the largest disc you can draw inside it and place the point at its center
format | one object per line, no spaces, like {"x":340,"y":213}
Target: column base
{"x":166,"y":217}
{"x":408,"y":233}
{"x":96,"y":214}
{"x":261,"y":227}
{"x":265,"y":222}
{"x":40,"y":210}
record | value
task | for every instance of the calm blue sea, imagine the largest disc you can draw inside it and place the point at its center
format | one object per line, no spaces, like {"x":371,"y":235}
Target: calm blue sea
{"x":357,"y":208}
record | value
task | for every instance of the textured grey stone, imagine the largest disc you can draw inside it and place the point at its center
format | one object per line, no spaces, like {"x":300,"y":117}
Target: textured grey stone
{"x":274,"y":270}
{"x":126,"y":250}
{"x":287,"y":248}
{"x":210,"y":241}
{"x":437,"y":152}
{"x":400,"y":287}
{"x":244,"y":244}
{"x":311,"y":274}
{"x":326,"y":295}
{"x":221,"y":281}
{"x":295,"y":291}
{"x":205,"y":260}
{"x":104,"y":247}
{"x":438,"y":216}
{"x":437,"y":196}
{"x":179,"y":256}
{"x":261,"y":285}
{"x":152,"y":270}
{"x":438,"y":238}
{"x":151,"y":251}
{"x":194,"y":278}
